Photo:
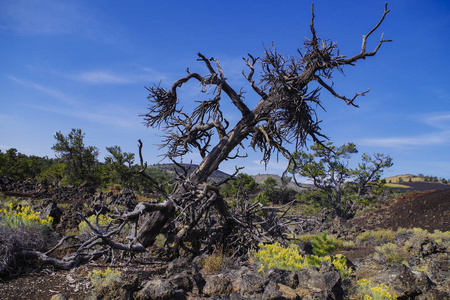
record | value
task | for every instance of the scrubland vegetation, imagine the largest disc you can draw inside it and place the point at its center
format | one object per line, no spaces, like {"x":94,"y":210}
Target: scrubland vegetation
{"x":23,"y":229}
{"x":77,"y":164}
{"x":208,"y":237}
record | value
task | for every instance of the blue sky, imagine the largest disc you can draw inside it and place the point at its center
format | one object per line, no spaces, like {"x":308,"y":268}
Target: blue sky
{"x":84,"y":64}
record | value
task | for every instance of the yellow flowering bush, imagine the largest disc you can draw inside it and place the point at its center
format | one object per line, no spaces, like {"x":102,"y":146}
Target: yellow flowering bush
{"x":367,"y":291}
{"x":101,"y":279}
{"x":274,"y":256}
{"x":340,"y":263}
{"x":24,"y":216}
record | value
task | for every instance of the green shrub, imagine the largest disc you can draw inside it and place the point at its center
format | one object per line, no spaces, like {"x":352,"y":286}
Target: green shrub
{"x":416,"y":236}
{"x":315,"y":197}
{"x":441,"y":237}
{"x":306,"y":237}
{"x":365,"y":290}
{"x":364,"y":211}
{"x":310,"y":209}
{"x":340,"y":263}
{"x":262,"y":198}
{"x":322,"y":245}
{"x":378,"y":236}
{"x":437,"y":236}
{"x":391,"y":252}
{"x":275,"y":256}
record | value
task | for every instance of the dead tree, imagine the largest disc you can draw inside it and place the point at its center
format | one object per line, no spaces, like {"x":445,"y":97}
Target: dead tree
{"x":195,"y":215}
{"x":284,"y":115}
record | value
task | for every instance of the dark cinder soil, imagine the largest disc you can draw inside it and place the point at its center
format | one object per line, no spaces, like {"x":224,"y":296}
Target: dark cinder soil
{"x":422,"y":187}
{"x":74,"y":284}
{"x":41,"y":285}
{"x":428,"y":210}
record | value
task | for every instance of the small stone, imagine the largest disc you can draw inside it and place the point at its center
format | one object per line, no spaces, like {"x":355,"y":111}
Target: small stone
{"x":157,"y":289}
{"x":217,"y":285}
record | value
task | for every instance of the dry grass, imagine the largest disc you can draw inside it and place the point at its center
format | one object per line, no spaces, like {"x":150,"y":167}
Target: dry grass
{"x":379,"y":236}
{"x":213,"y":262}
{"x":397,"y":185}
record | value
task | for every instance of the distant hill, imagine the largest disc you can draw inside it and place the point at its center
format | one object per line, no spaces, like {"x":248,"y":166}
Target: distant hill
{"x":260,"y":178}
{"x":171,"y":169}
{"x":404,"y":178}
{"x":410,"y":183}
{"x":419,"y":186}
{"x":218,"y":175}
{"x":402,"y":183}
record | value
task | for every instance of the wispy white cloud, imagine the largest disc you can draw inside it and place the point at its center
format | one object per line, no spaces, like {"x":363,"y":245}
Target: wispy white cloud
{"x":117,"y":116}
{"x":123,"y":76}
{"x":104,"y":117}
{"x":43,"y":17}
{"x":102,"y":77}
{"x":4,"y":116}
{"x":441,"y":120}
{"x":440,"y":93}
{"x":54,"y":17}
{"x":439,"y":134}
{"x":46,"y":90}
{"x":440,"y":138}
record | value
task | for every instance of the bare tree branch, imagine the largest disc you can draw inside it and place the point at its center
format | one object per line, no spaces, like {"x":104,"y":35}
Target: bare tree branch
{"x":363,"y":54}
{"x":330,"y":89}
{"x":146,"y":175}
{"x":251,"y":65}
{"x":235,"y":98}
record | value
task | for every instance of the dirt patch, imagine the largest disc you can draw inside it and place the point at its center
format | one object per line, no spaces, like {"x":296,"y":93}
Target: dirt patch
{"x":41,"y":285}
{"x":356,"y":254}
{"x":75,"y":283}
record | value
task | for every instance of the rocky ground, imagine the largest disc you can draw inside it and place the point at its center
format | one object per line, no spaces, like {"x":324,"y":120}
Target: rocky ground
{"x":149,"y":278}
